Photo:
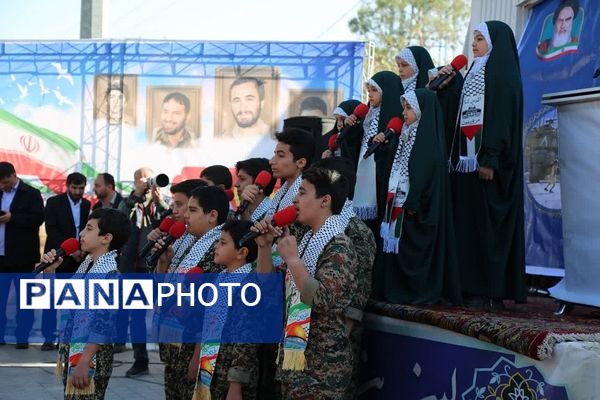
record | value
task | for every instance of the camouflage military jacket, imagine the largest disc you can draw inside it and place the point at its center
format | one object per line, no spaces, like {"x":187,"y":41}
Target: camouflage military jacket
{"x":328,"y":353}
{"x":365,"y":247}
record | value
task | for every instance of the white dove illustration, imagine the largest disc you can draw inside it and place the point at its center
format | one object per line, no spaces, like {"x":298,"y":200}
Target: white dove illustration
{"x":63,"y":73}
{"x":23,"y":89}
{"x":62,"y":99}
{"x":43,"y":89}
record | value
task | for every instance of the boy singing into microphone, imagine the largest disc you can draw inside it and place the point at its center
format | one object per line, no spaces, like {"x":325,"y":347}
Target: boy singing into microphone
{"x":227,"y":370}
{"x":319,"y":287}
{"x":248,"y":190}
{"x":206,"y":212}
{"x":86,"y":362}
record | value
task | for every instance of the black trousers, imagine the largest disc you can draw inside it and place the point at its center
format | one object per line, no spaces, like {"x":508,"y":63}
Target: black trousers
{"x":24,"y":318}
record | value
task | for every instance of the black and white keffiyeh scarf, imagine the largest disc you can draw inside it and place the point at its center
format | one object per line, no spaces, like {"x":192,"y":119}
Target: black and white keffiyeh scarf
{"x":285,"y":196}
{"x":80,"y":321}
{"x":180,"y":249}
{"x":199,"y":249}
{"x":407,"y":55}
{"x":262,"y":209}
{"x":471,"y":112}
{"x":215,"y":318}
{"x":347,"y":213}
{"x":298,"y":314}
{"x":398,"y":184}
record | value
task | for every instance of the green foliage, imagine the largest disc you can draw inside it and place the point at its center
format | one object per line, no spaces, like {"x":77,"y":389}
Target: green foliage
{"x":395,"y":24}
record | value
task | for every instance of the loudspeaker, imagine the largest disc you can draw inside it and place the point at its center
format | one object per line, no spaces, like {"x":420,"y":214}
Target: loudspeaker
{"x":320,"y":128}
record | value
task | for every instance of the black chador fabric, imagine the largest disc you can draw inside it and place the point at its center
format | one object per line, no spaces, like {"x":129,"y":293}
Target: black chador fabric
{"x":488,"y":215}
{"x":449,"y":98}
{"x":425,"y":269}
{"x":391,"y":107}
{"x":391,"y":85}
{"x":348,"y":146}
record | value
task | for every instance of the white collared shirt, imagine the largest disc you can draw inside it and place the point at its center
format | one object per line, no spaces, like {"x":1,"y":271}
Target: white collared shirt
{"x":76,"y":211}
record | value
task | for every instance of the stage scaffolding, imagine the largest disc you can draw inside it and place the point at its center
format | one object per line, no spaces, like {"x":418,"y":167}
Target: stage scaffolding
{"x":337,"y":63}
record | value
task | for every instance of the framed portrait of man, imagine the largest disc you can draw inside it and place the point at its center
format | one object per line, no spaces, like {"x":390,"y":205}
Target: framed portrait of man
{"x":313,"y":103}
{"x":115,"y":99}
{"x":173,"y":115}
{"x":561,"y":31}
{"x":246,"y":101}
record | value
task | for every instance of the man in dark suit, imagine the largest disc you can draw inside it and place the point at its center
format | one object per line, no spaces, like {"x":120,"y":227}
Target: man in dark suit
{"x":104,"y":187}
{"x":66,"y":215}
{"x":22,"y":214}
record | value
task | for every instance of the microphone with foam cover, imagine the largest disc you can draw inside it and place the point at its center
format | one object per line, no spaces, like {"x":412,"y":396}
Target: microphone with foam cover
{"x":175,"y":232}
{"x":66,"y":248}
{"x":394,"y":127}
{"x":360,"y":112}
{"x":280,"y":219}
{"x":332,"y":144}
{"x":164,"y":227}
{"x":229,"y":194}
{"x":457,"y":64}
{"x":262,"y":180}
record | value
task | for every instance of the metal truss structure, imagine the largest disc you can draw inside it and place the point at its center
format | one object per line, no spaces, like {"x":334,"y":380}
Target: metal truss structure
{"x":100,"y":141}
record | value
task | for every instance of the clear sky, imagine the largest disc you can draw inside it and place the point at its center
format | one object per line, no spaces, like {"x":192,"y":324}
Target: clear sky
{"x":285,"y":20}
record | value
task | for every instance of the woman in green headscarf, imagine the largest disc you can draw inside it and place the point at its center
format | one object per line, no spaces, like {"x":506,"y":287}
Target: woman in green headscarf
{"x":418,"y":264}
{"x":384,"y":90}
{"x":487,"y":179}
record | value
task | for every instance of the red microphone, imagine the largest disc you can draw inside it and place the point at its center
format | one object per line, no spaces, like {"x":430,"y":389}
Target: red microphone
{"x":164,"y":227}
{"x":229,"y":194}
{"x":332,"y":145}
{"x":360,"y":112}
{"x":393,"y":128}
{"x":280,"y":219}
{"x":194,"y":274}
{"x":457,"y":64}
{"x":175,"y":232}
{"x":262,"y":180}
{"x":66,"y":248}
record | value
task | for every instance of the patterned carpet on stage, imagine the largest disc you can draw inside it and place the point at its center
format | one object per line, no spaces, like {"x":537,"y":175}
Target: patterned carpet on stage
{"x":530,"y":329}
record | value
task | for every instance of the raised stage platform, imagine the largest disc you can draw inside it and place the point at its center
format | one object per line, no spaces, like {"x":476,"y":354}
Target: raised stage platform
{"x":440,"y":352}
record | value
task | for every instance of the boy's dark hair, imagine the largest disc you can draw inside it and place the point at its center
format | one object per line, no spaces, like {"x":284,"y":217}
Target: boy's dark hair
{"x":114,"y":222}
{"x":342,"y":165}
{"x":253,"y":166}
{"x":237,"y":229}
{"x":179,"y":98}
{"x":219,"y":175}
{"x":313,"y":103}
{"x":187,"y":187}
{"x":212,"y":198}
{"x":301,"y":142}
{"x":329,"y":182}
{"x":6,"y":169}
{"x":108,"y":179}
{"x":75,"y":178}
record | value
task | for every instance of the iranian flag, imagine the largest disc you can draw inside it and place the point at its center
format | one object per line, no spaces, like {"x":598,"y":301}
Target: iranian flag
{"x":37,"y":152}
